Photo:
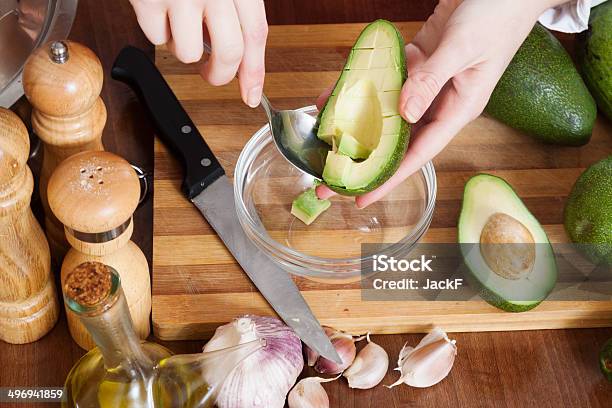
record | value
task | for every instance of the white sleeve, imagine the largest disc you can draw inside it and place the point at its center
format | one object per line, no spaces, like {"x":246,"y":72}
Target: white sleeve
{"x":570,"y":17}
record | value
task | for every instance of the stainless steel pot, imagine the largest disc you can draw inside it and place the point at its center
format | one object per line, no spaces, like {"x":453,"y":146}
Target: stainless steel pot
{"x":24,"y":25}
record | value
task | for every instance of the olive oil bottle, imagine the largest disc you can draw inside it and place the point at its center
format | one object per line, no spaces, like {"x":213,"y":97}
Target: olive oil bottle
{"x":122,"y":371}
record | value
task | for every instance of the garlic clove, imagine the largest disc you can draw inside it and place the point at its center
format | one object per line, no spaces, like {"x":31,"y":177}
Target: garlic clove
{"x":311,"y":355}
{"x":429,"y":362}
{"x":434,"y":335}
{"x":309,"y":393}
{"x":344,"y":343}
{"x":369,"y":368}
{"x":402,"y":355}
{"x":345,"y":346}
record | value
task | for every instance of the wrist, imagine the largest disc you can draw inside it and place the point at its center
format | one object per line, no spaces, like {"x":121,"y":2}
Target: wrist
{"x":533,"y":9}
{"x":546,"y":4}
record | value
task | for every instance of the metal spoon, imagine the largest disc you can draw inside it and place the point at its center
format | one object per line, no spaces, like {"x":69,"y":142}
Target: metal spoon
{"x":295,"y":136}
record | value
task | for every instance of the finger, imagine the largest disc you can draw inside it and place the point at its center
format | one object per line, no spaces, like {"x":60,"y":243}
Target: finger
{"x":226,"y":42}
{"x":252,"y":16}
{"x":426,"y":81}
{"x":153,"y":20}
{"x":432,"y":138}
{"x":322,"y":99}
{"x":324,"y":192}
{"x":415,"y":57}
{"x":186,"y":25}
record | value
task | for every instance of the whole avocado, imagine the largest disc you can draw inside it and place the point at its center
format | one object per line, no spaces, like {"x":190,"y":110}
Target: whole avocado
{"x":588,"y":212}
{"x":595,"y":56}
{"x":542,"y":94}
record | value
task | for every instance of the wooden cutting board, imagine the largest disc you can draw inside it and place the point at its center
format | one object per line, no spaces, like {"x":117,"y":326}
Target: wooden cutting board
{"x":197,"y":285}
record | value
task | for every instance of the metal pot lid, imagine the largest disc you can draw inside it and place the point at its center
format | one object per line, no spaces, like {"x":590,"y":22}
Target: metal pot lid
{"x":25,"y":25}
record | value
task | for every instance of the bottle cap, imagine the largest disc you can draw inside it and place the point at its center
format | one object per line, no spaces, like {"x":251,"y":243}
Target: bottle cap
{"x":88,"y":284}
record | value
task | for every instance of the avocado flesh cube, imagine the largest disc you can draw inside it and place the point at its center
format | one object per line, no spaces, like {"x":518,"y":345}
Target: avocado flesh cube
{"x":349,"y":146}
{"x":357,"y":111}
{"x":307,"y":206}
{"x":361,"y":116}
{"x":485,"y":195}
{"x":336,"y":169}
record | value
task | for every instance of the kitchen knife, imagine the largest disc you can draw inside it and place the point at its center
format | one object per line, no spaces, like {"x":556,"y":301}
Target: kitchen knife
{"x":207,"y":186}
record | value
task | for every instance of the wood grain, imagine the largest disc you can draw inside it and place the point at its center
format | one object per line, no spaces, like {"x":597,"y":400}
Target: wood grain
{"x":28,"y":302}
{"x":545,"y":368}
{"x":68,"y":115}
{"x":194,"y":274}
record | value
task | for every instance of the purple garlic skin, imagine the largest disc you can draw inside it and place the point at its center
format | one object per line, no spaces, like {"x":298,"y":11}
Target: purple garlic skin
{"x":345,"y":347}
{"x":263,"y":379}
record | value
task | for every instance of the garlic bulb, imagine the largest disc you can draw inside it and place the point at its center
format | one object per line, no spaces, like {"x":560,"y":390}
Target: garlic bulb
{"x":369,"y":368}
{"x":344,"y":345}
{"x":309,"y":393}
{"x":264,"y":378}
{"x":429,"y":362}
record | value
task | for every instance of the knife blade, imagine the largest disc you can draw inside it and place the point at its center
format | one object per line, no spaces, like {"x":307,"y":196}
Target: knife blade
{"x":207,"y":186}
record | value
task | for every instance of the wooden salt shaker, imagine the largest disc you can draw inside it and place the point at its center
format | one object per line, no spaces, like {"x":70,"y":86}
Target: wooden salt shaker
{"x":28,"y":302}
{"x":62,"y":80}
{"x":94,"y":194}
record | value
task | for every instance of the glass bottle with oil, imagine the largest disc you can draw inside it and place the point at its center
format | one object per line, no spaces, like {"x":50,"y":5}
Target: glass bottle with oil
{"x":123,"y":371}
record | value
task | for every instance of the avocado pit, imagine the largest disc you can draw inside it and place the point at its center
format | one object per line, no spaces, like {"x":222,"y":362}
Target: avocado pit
{"x":507,"y":246}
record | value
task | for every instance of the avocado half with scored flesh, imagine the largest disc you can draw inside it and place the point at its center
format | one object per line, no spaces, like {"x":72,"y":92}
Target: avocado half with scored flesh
{"x":361,"y":120}
{"x":542,"y":94}
{"x":504,"y":247}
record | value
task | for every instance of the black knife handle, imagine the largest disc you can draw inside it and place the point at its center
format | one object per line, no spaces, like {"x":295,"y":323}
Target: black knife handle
{"x":174,"y":126}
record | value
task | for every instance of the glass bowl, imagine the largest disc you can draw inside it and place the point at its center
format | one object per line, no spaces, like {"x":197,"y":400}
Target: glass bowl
{"x":330,"y":249}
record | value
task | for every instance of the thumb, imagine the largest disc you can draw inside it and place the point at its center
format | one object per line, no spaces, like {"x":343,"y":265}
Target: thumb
{"x":425,"y":81}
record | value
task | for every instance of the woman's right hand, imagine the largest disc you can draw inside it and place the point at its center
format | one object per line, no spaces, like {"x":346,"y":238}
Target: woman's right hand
{"x":237,"y":29}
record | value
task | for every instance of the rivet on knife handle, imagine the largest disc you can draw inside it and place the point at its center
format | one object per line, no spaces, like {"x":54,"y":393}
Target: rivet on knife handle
{"x":175,"y":128}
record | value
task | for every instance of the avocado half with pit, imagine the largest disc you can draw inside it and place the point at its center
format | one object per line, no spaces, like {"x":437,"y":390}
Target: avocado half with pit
{"x":361,"y":120}
{"x":504,"y":247}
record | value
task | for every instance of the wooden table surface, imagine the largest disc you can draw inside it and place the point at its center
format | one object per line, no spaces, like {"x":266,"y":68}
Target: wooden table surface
{"x":515,"y":369}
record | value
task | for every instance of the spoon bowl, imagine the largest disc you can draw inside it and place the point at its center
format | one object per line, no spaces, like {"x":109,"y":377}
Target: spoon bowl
{"x":294,"y":134}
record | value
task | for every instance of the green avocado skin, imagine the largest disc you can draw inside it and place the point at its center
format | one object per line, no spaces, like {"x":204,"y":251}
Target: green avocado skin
{"x":605,"y":360}
{"x":400,"y":149}
{"x":588,"y":212}
{"x":388,"y":170}
{"x":595,"y":56}
{"x":542,"y":94}
{"x":495,"y":300}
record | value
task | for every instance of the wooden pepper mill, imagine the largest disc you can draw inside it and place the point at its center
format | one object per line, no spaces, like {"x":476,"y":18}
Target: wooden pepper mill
{"x":28,"y":302}
{"x":94,"y":194}
{"x":62,"y":80}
